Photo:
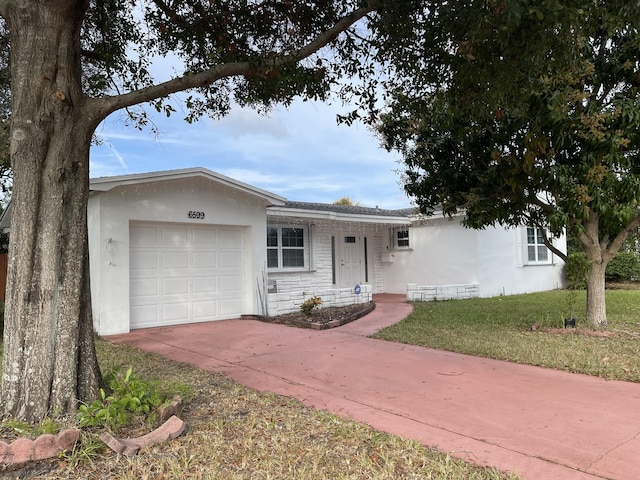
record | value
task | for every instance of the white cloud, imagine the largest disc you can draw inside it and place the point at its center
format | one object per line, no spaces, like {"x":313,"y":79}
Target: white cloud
{"x":245,"y":122}
{"x":299,"y":153}
{"x":251,"y":177}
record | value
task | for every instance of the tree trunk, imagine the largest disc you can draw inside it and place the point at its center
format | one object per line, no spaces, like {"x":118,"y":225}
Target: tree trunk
{"x":49,"y":360}
{"x":596,"y":301}
{"x":599,"y":252}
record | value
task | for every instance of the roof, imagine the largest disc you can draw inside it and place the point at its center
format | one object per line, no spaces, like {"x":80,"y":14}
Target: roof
{"x":332,"y":211}
{"x":351,"y":209}
{"x":103,"y":184}
{"x":279,"y":206}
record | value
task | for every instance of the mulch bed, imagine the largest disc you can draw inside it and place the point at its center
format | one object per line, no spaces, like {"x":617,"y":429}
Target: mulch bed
{"x":323,"y":318}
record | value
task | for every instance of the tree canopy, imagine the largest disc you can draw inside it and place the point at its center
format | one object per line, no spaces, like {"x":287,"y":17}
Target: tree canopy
{"x":535,"y":120}
{"x":346,"y":201}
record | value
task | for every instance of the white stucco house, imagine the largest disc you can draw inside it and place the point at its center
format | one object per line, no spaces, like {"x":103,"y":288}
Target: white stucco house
{"x":192,"y":245}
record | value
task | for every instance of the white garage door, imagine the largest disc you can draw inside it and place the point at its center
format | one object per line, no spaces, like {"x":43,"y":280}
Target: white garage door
{"x":184,"y":273}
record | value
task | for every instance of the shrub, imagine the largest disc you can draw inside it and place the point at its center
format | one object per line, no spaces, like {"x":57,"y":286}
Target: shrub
{"x":130,"y":396}
{"x":575,"y":270}
{"x":625,"y":266}
{"x":310,"y":304}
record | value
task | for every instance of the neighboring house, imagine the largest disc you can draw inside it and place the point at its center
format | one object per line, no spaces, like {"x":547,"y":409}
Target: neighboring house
{"x":192,"y":245}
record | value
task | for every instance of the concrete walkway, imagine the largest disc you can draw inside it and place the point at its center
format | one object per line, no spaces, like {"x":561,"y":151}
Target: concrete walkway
{"x":539,"y":423}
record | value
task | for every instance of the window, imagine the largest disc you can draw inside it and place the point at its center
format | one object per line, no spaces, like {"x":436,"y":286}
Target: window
{"x":537,"y":251}
{"x":285,"y":247}
{"x":400,"y":237}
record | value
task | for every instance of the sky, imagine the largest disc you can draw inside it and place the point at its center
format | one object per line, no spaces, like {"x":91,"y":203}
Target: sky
{"x":299,"y":153}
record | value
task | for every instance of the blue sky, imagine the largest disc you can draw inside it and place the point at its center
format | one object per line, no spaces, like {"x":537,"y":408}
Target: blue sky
{"x":298,"y":152}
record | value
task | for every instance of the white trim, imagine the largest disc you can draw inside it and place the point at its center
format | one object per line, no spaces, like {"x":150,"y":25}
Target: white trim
{"x":394,"y":238}
{"x":525,"y":248}
{"x":306,"y":249}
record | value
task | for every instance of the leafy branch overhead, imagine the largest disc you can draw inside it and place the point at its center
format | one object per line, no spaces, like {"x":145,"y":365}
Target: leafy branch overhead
{"x":250,"y":53}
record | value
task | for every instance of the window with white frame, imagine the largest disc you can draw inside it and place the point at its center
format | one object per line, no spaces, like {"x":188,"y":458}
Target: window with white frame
{"x":537,"y":251}
{"x":400,"y":238}
{"x":286,"y":247}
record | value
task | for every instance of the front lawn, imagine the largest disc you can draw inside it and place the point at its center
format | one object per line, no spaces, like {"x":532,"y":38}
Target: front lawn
{"x":527,"y":329}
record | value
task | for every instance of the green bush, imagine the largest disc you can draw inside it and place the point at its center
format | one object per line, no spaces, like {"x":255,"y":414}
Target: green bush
{"x":575,"y":270}
{"x":130,"y":397}
{"x":624,"y":267}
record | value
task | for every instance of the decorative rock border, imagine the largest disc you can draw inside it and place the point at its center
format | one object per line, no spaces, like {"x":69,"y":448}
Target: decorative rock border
{"x":316,"y":325}
{"x":166,"y":412}
{"x":130,"y":446}
{"x":45,"y":446}
{"x":171,"y":428}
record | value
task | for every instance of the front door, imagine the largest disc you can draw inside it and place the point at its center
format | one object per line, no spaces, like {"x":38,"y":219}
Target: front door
{"x":351,"y":261}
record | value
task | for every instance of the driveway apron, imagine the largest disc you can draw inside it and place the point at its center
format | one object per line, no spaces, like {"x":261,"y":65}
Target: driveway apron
{"x":539,"y":423}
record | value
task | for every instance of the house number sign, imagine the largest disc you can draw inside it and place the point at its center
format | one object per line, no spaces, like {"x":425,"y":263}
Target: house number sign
{"x":197,"y":215}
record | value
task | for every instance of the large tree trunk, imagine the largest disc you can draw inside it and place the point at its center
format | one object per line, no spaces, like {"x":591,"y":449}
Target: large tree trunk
{"x":596,"y":300}
{"x":49,"y":360}
{"x":599,"y":252}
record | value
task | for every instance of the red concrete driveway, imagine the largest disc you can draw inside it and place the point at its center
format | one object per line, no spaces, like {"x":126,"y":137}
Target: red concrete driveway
{"x":539,"y":423}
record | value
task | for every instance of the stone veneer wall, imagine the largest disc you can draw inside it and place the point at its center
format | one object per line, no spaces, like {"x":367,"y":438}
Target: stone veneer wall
{"x":281,"y":303}
{"x":427,"y":293}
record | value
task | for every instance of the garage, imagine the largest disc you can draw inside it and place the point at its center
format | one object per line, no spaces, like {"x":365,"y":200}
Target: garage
{"x":184,"y":273}
{"x":175,"y":247}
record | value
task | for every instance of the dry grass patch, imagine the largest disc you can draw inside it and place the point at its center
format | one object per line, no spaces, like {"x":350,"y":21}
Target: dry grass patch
{"x":238,"y":433}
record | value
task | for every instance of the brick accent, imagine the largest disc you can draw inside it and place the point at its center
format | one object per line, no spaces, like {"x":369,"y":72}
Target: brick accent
{"x":316,"y":325}
{"x":166,"y":412}
{"x":130,"y":446}
{"x":45,"y":446}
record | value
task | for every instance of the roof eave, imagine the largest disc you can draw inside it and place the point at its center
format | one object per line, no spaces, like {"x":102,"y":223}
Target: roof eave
{"x":336,"y":216}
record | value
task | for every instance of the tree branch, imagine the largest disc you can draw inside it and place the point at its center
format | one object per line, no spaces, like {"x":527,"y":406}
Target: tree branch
{"x":617,"y":242}
{"x":539,"y":203}
{"x":109,"y":104}
{"x":172,"y":14}
{"x":549,"y":244}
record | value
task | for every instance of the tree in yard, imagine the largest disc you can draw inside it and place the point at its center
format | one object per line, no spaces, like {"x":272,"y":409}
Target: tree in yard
{"x":74,"y":62}
{"x":535,"y":120}
{"x":346,"y":200}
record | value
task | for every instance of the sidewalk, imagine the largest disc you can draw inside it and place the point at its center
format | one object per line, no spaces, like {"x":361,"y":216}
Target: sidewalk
{"x":540,"y":423}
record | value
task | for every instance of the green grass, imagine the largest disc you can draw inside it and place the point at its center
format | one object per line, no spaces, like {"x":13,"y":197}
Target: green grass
{"x":501,"y":328}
